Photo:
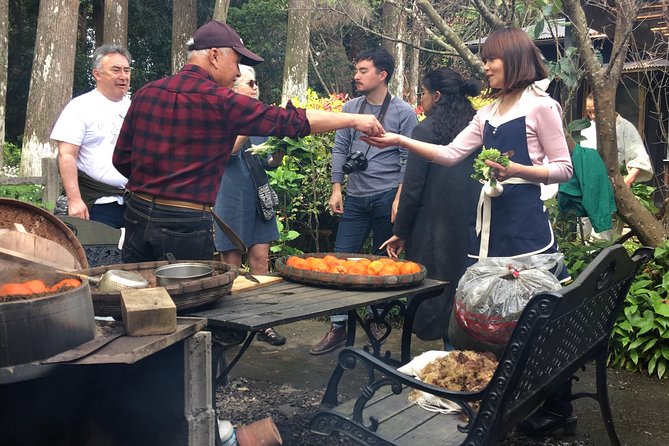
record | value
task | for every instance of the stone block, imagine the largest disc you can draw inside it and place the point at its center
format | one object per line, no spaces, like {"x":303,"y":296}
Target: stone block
{"x":148,"y":311}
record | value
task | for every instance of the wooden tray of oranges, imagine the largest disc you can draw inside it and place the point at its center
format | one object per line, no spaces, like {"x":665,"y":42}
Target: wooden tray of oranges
{"x":350,"y":271}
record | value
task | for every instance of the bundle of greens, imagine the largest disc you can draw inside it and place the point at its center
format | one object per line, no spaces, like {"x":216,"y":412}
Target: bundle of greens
{"x":292,"y":147}
{"x":483,"y":172}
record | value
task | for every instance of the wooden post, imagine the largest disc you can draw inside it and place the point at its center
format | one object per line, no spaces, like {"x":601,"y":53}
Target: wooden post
{"x":51,"y":181}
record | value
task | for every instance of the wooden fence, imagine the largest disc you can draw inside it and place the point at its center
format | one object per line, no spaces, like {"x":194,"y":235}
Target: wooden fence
{"x":50,"y":179}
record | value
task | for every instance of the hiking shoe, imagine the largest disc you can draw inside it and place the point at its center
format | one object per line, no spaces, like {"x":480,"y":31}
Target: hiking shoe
{"x":271,"y":337}
{"x":334,"y":339}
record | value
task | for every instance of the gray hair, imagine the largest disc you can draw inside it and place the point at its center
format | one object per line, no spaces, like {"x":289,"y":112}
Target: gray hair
{"x":102,"y":51}
{"x":244,"y":69}
{"x":203,"y":52}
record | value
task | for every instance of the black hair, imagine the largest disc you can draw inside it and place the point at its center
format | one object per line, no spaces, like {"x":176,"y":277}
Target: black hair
{"x":453,"y":111}
{"x":382,"y":60}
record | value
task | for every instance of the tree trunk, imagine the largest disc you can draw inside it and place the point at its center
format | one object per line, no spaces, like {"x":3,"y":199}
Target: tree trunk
{"x":394,"y":24}
{"x":116,"y":22}
{"x":184,"y":23}
{"x":4,"y":62}
{"x":50,"y":81}
{"x":647,"y":228}
{"x":296,"y":65}
{"x":221,"y":10}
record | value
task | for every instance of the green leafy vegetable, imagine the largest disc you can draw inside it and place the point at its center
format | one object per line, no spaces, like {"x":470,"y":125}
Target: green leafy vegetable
{"x":483,"y":172}
{"x":292,"y":147}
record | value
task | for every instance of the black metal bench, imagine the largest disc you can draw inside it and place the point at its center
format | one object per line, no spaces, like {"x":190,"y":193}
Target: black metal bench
{"x":557,"y":333}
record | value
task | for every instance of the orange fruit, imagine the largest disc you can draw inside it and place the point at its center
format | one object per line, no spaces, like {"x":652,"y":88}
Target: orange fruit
{"x":387,"y":260}
{"x":409,"y":268}
{"x":292,"y":260}
{"x":364,"y":262}
{"x":331,"y":260}
{"x":375,"y":267}
{"x":14,"y":289}
{"x":356,"y":269}
{"x":65,"y":283}
{"x":36,"y":286}
{"x":337,"y":269}
{"x":299,"y":263}
{"x":320,"y":266}
{"x":389,"y":270}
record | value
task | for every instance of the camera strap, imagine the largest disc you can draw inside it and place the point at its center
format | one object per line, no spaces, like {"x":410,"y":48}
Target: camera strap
{"x":384,"y":107}
{"x":382,"y":113}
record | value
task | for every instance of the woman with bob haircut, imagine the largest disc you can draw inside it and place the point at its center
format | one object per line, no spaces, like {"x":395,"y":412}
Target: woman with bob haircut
{"x":525,"y":124}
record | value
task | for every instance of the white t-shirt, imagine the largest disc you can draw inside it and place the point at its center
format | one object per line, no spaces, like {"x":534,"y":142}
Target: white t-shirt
{"x":93,"y":122}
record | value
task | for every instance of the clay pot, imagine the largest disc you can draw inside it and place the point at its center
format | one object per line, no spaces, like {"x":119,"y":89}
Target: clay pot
{"x":263,"y":432}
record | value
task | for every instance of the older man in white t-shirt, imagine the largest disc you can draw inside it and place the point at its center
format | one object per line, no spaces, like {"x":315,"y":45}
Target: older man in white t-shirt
{"x":86,"y":134}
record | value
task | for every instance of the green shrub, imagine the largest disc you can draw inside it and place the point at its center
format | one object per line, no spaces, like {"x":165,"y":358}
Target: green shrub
{"x":640,"y":339}
{"x":31,"y":193}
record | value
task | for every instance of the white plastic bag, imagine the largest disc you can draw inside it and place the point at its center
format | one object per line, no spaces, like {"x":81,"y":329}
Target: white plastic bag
{"x":492,"y":293}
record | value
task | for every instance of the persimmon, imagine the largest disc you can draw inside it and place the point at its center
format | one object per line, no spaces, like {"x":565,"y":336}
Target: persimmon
{"x":337,"y":269}
{"x":331,"y":260}
{"x":375,"y":267}
{"x":14,"y":289}
{"x":293,"y":260}
{"x":364,"y":262}
{"x":356,"y":269}
{"x":65,"y":283}
{"x":299,"y":263}
{"x":387,"y":260}
{"x":319,"y":265}
{"x":409,"y":268}
{"x":37,"y":286}
{"x":389,"y":270}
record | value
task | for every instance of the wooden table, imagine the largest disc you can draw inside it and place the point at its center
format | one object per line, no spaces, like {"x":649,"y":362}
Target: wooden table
{"x":236,"y":319}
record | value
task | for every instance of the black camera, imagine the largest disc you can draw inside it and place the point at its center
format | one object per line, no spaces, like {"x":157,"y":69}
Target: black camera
{"x":355,"y":161}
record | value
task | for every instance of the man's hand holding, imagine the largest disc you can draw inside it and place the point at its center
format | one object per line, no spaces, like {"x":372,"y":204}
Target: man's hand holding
{"x":368,"y":124}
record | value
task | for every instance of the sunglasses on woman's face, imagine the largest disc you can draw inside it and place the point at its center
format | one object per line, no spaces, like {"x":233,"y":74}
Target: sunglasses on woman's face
{"x":252,"y":83}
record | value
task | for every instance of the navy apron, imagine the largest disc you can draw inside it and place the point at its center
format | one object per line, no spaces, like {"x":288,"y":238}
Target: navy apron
{"x":519,"y":222}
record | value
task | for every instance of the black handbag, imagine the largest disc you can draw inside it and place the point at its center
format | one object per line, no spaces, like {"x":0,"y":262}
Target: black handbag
{"x":266,"y":199}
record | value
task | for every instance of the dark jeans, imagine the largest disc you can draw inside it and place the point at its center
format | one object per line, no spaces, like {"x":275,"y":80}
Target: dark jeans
{"x":110,"y":214}
{"x":362,"y":215}
{"x":154,"y":230}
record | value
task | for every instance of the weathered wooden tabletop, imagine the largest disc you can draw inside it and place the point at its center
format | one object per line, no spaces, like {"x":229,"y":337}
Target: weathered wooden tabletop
{"x":287,"y":302}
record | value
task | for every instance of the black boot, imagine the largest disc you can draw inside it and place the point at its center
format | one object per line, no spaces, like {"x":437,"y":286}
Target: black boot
{"x":555,"y":414}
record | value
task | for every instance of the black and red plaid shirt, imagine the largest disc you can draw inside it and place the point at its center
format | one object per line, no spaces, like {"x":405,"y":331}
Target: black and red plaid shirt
{"x":179,"y":131}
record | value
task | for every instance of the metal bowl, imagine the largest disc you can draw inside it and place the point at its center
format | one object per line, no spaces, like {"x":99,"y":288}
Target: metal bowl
{"x":180,"y":272}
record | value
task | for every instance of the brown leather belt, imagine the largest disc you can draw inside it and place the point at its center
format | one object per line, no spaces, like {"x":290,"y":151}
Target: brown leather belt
{"x":174,"y":203}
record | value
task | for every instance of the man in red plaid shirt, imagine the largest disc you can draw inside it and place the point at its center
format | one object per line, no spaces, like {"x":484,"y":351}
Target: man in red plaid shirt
{"x":176,"y":141}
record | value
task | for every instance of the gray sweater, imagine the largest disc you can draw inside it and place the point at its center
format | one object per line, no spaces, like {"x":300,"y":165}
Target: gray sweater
{"x":385,"y":168}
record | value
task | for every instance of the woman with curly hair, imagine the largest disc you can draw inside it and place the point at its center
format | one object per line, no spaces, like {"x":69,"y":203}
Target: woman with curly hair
{"x":437,"y":203}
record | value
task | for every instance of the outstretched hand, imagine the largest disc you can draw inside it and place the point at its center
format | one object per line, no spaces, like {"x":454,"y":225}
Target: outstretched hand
{"x":368,"y":125}
{"x":382,"y":141}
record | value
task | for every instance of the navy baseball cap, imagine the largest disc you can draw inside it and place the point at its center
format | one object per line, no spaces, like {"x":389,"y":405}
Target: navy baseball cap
{"x":215,"y":34}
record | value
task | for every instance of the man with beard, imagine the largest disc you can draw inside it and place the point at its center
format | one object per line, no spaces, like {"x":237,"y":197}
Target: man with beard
{"x":374,"y":177}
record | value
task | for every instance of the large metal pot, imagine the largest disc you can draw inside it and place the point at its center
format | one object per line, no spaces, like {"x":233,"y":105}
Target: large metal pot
{"x":35,"y":329}
{"x":180,"y":272}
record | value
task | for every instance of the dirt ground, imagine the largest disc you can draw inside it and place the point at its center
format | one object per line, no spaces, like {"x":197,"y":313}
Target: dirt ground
{"x":287,"y":384}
